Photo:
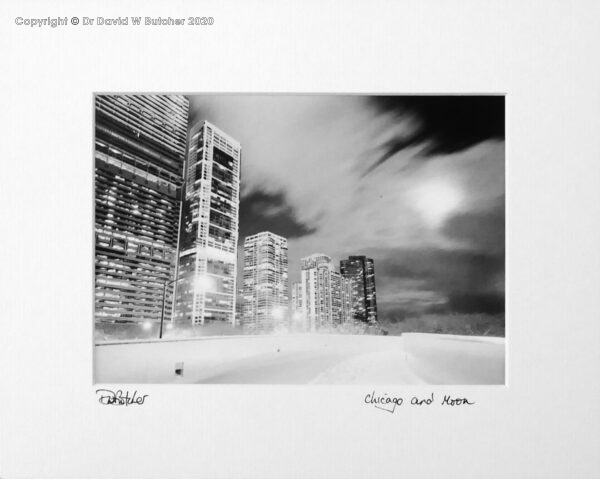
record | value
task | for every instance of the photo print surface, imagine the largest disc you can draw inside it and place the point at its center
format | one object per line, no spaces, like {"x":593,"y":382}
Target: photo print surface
{"x":303,"y":239}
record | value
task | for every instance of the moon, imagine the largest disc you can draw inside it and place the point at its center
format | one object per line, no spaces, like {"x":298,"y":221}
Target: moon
{"x":436,"y":200}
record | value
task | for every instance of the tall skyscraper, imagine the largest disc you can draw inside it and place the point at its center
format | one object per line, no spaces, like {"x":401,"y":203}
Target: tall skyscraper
{"x":361,"y":271}
{"x":206,"y":275}
{"x":265,"y":281}
{"x":319,"y":291}
{"x":139,"y":157}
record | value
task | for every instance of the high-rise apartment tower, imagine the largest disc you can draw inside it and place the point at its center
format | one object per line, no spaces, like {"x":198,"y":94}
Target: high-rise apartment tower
{"x":361,"y":271}
{"x":320,"y":292}
{"x":206,"y":275}
{"x":265,"y":282}
{"x":139,"y":157}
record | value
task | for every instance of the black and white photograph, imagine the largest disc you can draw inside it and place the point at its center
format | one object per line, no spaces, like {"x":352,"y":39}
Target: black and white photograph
{"x":299,"y":239}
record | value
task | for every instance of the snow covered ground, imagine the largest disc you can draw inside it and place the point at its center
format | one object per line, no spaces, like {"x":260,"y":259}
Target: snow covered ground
{"x":412,"y":358}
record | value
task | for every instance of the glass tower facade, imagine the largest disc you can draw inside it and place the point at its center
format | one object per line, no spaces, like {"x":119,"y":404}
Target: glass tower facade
{"x":206,"y":275}
{"x":139,"y":157}
{"x":319,"y":291}
{"x":265,"y":281}
{"x":360,"y":270}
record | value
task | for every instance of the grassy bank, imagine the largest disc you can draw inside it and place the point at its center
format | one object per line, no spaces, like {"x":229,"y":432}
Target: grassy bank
{"x":464,"y":324}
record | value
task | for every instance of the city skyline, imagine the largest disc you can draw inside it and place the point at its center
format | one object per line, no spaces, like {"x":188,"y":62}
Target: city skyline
{"x":173,"y":229}
{"x":390,"y":178}
{"x":414,"y":182}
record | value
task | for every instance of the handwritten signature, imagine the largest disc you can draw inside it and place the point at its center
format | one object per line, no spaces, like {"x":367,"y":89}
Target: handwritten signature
{"x":119,"y":397}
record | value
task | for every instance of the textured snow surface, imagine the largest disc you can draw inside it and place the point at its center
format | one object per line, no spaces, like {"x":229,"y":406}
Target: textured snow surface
{"x":412,"y":358}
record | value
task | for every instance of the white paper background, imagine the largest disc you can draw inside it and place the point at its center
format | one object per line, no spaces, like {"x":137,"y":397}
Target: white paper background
{"x":544,"y":55}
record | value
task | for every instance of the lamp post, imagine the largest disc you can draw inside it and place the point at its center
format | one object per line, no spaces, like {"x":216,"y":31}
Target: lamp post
{"x":162,"y":311}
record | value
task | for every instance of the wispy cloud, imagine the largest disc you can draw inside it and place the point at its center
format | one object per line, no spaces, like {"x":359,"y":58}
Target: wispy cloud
{"x":303,"y":176}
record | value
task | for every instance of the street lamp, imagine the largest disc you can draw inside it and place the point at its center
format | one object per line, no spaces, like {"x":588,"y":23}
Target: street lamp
{"x":162,"y":311}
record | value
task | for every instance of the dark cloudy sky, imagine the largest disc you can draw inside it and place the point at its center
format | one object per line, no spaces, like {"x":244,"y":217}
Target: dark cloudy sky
{"x":416,"y":183}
